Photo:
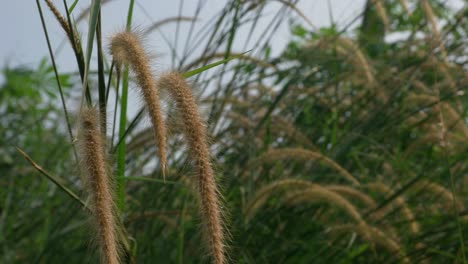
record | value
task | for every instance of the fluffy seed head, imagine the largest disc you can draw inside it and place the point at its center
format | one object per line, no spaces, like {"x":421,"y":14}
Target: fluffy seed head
{"x":195,"y":133}
{"x":126,"y":47}
{"x":102,"y":206}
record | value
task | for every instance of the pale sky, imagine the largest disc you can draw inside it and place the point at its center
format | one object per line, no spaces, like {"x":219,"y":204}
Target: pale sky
{"x":23,"y":41}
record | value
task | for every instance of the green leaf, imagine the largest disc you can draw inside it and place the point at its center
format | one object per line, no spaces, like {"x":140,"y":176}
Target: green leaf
{"x":122,"y":126}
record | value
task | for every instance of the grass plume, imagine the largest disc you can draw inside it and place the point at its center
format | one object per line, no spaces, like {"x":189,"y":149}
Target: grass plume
{"x":102,"y":205}
{"x":195,"y":132}
{"x":126,"y":47}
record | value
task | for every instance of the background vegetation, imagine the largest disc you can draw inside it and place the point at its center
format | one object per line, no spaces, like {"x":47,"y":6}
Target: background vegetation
{"x":348,"y":147}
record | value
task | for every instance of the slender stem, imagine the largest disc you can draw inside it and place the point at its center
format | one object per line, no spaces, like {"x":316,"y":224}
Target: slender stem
{"x":57,"y":78}
{"x":121,"y":147}
{"x":101,"y":79}
{"x":122,"y":125}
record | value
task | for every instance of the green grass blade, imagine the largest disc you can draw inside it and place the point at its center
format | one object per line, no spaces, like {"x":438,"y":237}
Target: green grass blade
{"x":59,"y":85}
{"x":93,"y":20}
{"x":70,"y":10}
{"x":101,"y":80}
{"x":52,"y":178}
{"x":209,"y":66}
{"x":233,"y":30}
{"x":146,"y":179}
{"x":130,"y":127}
{"x":77,"y":48}
{"x":122,"y":126}
{"x":121,"y":147}
{"x":121,"y":232}
{"x":130,"y":15}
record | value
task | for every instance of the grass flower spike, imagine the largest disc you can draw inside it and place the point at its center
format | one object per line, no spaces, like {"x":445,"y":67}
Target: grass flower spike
{"x":102,"y":206}
{"x":126,"y":47}
{"x":195,"y":132}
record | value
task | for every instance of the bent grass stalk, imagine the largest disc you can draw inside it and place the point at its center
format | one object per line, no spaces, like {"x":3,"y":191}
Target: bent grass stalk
{"x":318,"y":193}
{"x":349,"y":191}
{"x":126,"y":47}
{"x":399,"y":202}
{"x":195,"y":132}
{"x":368,"y":201}
{"x":374,"y":236}
{"x":102,"y":206}
{"x":301,"y":154}
{"x":440,"y":191}
{"x":262,"y":195}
